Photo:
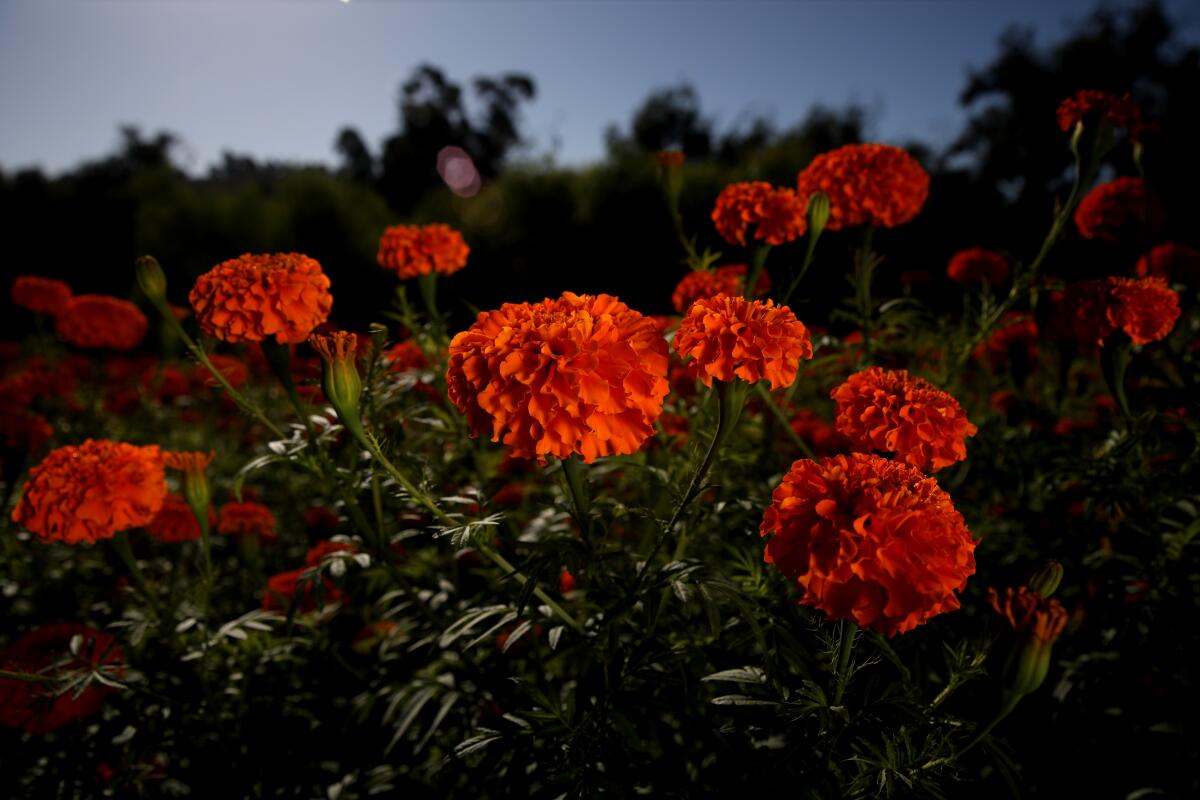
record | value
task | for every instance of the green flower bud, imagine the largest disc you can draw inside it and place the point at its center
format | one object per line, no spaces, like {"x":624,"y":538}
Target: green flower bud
{"x":151,"y":279}
{"x":340,"y":379}
{"x":818,"y":213}
{"x":1046,"y":578}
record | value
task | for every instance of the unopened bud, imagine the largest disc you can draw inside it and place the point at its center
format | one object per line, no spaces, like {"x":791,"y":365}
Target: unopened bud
{"x":818,"y":213}
{"x":196,"y":490}
{"x":151,"y":279}
{"x":1046,"y":578}
{"x":339,"y":378}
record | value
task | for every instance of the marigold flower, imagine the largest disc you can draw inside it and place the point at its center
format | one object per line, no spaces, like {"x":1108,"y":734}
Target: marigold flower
{"x":298,"y":587}
{"x":176,"y":522}
{"x":566,"y":582}
{"x":1092,"y":107}
{"x":867,"y":184}
{"x":731,"y":337}
{"x":97,"y":321}
{"x":340,"y":380}
{"x":1036,"y":622}
{"x":22,"y":433}
{"x":412,"y":250}
{"x":777,"y":214}
{"x":1116,"y":210}
{"x":580,"y":374}
{"x":977,"y":265}
{"x":88,"y":492}
{"x":892,"y":411}
{"x":405,"y":356}
{"x":1016,"y":333}
{"x":246,"y":519}
{"x":821,"y":436}
{"x":252,"y":298}
{"x":1146,"y":308}
{"x":1176,"y":263}
{"x":703,"y":283}
{"x":40,"y":295}
{"x":38,"y":708}
{"x":869,"y":540}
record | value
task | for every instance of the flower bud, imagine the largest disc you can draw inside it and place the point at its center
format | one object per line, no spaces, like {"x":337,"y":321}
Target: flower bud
{"x":1035,"y":624}
{"x":1046,"y":578}
{"x":818,"y":213}
{"x":195,"y":481}
{"x":151,"y":279}
{"x":339,"y":378}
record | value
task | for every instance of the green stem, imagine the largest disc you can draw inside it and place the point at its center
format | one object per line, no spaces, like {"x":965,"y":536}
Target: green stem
{"x":198,"y":352}
{"x":1006,"y":707}
{"x":797,"y":440}
{"x":280,"y":359}
{"x":577,"y":485}
{"x":864,"y":267}
{"x":845,"y":648}
{"x":509,"y":569}
{"x":120,"y":543}
{"x":1114,"y":360}
{"x":428,"y":286}
{"x":27,"y":677}
{"x":809,"y":253}
{"x":758,"y":260}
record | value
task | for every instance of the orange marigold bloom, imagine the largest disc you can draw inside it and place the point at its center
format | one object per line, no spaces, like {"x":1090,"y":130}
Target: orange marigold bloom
{"x":405,"y":356}
{"x":413,"y":250}
{"x":1091,"y":107}
{"x":1116,"y":210}
{"x":1145,"y":308}
{"x":703,"y":283}
{"x":977,"y":265}
{"x":98,"y":321}
{"x":580,"y":374}
{"x":1016,"y":333}
{"x":254,"y":297}
{"x":1029,"y":613}
{"x":869,"y":540}
{"x":892,"y":411}
{"x":777,"y":214}
{"x":867,"y":184}
{"x":1174,"y":262}
{"x":38,"y":707}
{"x":246,"y":519}
{"x":193,"y":461}
{"x":175,"y":521}
{"x":88,"y":492}
{"x":40,"y":295}
{"x":731,"y":337}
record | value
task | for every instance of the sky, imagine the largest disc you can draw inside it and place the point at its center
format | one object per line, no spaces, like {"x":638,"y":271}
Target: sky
{"x":277,"y":79}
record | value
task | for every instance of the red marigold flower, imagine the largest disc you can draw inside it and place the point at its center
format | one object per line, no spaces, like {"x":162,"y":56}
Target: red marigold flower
{"x":869,"y":540}
{"x":88,"y":492}
{"x":254,"y":297}
{"x":867,"y":184}
{"x":38,"y":707}
{"x":892,"y":411}
{"x":731,"y":337}
{"x":405,"y":356}
{"x":188,"y":461}
{"x":232,"y":369}
{"x":777,"y":214}
{"x":580,"y":374}
{"x":1116,"y":210}
{"x":665,"y":322}
{"x":1029,"y":613}
{"x":412,"y":250}
{"x":1173,"y":262}
{"x":1146,"y":308}
{"x":246,"y":519}
{"x":977,"y":265}
{"x":323,"y":549}
{"x":175,"y":521}
{"x":1092,"y":107}
{"x":40,"y":295}
{"x":299,"y":587}
{"x":703,"y":284}
{"x":1016,"y":332}
{"x":566,"y":582}
{"x":98,"y":321}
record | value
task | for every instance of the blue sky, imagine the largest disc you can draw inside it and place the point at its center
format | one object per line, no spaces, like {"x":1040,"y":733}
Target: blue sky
{"x":278,"y":78}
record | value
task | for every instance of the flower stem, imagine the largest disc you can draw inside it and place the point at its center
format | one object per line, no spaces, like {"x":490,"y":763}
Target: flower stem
{"x":120,"y":544}
{"x":809,"y":253}
{"x":758,"y":260}
{"x":428,"y":286}
{"x":845,"y":648}
{"x":573,"y":471}
{"x":797,"y":440}
{"x":864,"y":267}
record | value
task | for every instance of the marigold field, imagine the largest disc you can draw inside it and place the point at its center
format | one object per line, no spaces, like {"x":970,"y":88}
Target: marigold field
{"x":855,"y":545}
